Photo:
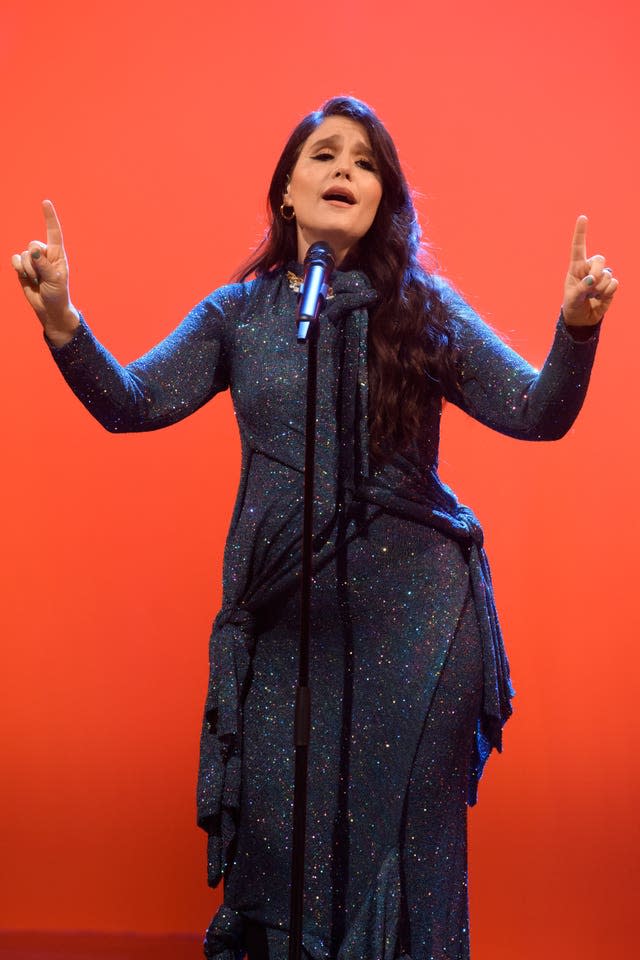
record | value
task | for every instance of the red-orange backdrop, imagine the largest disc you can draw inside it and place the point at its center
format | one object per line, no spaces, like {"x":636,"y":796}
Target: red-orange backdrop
{"x":154,"y":128}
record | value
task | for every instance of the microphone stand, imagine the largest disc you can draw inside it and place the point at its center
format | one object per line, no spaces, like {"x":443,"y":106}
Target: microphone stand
{"x":308,"y":329}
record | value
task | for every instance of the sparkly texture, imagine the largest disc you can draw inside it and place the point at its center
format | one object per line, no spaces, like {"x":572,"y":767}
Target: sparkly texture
{"x":410,"y":681}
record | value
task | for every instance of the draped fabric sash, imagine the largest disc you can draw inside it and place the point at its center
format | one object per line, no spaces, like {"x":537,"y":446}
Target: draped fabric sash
{"x":439,"y":508}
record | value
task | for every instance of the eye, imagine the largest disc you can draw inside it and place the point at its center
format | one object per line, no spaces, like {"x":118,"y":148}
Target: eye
{"x":367,"y":165}
{"x":323,"y":156}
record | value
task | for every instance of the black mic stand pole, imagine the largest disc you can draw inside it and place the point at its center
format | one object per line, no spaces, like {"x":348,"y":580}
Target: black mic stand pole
{"x":303,"y":699}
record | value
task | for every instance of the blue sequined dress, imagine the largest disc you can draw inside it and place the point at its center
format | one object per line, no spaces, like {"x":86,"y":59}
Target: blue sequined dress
{"x":409,"y":678}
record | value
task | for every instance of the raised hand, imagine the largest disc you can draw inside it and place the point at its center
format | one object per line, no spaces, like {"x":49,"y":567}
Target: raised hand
{"x":590,"y":285}
{"x":43,"y":273}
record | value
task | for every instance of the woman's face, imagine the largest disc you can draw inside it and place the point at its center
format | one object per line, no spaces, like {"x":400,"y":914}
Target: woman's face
{"x":334,"y":187}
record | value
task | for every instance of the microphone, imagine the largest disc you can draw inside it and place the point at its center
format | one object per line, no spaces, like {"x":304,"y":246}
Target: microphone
{"x":318,"y":267}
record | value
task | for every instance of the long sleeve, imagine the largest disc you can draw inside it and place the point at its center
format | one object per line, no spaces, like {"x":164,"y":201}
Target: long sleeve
{"x":168,"y":383}
{"x":503,"y":391}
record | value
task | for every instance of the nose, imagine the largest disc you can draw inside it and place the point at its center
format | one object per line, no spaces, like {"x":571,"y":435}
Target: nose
{"x":342,"y":169}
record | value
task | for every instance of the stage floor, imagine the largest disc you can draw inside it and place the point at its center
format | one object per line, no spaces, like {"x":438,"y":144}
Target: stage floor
{"x":40,"y":945}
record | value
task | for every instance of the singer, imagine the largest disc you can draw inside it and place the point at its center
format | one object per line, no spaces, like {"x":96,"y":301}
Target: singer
{"x":409,"y":677}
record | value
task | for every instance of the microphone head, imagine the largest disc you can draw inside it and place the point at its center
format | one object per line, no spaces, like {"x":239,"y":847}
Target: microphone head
{"x":320,"y":252}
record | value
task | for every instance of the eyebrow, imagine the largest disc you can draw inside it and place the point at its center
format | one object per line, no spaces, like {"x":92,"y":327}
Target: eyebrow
{"x":360,"y":146}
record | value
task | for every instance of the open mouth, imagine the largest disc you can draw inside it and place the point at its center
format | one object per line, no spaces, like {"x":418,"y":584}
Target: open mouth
{"x":339,"y":196}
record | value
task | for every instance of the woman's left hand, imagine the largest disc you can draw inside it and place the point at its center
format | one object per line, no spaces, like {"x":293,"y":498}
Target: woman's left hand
{"x":590,"y":285}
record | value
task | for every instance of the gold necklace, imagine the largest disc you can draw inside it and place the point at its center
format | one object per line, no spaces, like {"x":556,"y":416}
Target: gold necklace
{"x":295,"y":283}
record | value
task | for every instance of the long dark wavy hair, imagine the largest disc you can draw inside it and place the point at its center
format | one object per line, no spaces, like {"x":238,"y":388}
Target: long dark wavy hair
{"x":411,"y":346}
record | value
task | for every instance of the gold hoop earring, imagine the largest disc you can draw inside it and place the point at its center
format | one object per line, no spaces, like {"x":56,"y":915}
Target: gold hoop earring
{"x":284,"y":207}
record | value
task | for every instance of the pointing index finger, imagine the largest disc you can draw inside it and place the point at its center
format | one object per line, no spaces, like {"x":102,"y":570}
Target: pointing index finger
{"x":579,"y":242}
{"x":54,"y":230}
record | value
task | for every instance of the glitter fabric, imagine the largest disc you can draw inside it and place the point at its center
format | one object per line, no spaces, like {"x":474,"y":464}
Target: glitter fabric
{"x":409,"y":678}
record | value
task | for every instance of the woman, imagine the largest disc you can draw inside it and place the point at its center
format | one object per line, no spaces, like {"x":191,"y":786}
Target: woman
{"x":409,"y":677}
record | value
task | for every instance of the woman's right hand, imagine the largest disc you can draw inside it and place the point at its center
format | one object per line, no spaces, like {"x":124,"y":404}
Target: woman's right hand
{"x":43,"y":272}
